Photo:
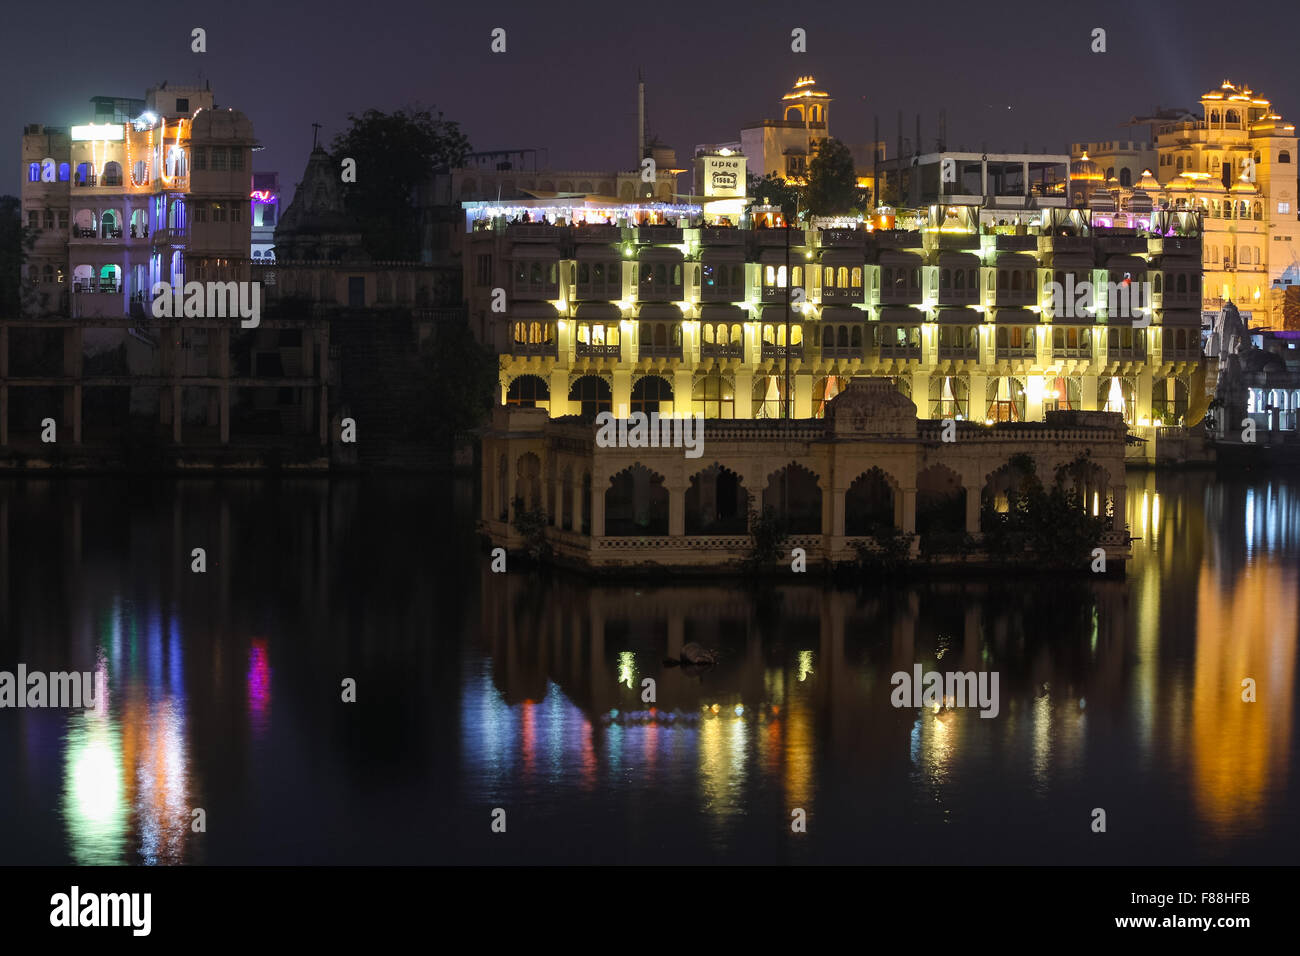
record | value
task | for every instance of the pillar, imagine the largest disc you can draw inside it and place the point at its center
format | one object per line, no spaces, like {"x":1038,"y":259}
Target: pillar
{"x":978,"y":403}
{"x":921,"y":393}
{"x":802,"y":395}
{"x":973,"y":510}
{"x":681,"y":379}
{"x":676,"y":509}
{"x":837,"y":512}
{"x":1144,"y":387}
{"x":598,"y":485}
{"x":559,"y":384}
{"x":744,"y":394}
{"x":1117,"y":520}
{"x":1034,"y":398}
{"x":622,"y":392}
{"x":1088,"y":393}
{"x":909,"y":510}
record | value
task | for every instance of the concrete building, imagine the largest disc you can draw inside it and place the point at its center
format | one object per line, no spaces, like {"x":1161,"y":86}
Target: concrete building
{"x":653,"y":307}
{"x":127,"y":201}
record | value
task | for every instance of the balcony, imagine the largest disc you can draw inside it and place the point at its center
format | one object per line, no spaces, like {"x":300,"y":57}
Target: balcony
{"x":583,"y":349}
{"x":1065,"y":244}
{"x":842,"y":238}
{"x":547,"y":349}
{"x":535,"y":232}
{"x":773,"y":351}
{"x":170,"y":237}
{"x":1016,"y":243}
{"x":896,"y":351}
{"x":83,"y":233}
{"x":897,"y":239}
{"x":1112,"y":245}
{"x":658,"y":235}
{"x":956,"y":241}
{"x":721,"y":236}
{"x":602,"y":234}
{"x":727,"y":351}
{"x":659,"y":351}
{"x":841,"y":351}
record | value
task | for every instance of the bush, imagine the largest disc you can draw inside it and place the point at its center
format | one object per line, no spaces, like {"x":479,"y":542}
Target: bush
{"x":767,"y":537}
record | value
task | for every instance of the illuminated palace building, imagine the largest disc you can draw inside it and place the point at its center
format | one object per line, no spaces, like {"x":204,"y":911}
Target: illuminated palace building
{"x":597,"y":304}
{"x":148,"y":190}
{"x":1236,"y":164}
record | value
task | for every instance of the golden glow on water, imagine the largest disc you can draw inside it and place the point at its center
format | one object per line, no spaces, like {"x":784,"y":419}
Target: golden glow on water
{"x":1240,"y":750}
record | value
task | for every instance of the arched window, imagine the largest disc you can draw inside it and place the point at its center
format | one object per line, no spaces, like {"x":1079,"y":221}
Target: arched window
{"x":649,"y":393}
{"x":1126,"y":177}
{"x":713,"y":396}
{"x":1182,"y":282}
{"x":1284,"y":157}
{"x":594,"y":395}
{"x":1180,"y":164}
{"x":856,"y":277}
{"x":945,"y":278}
{"x":842,"y":277}
{"x":1259,"y":211}
{"x":828,"y":277}
{"x":112,"y":174}
{"x":1232,"y":118}
{"x":527,"y":391}
{"x":1110,"y":173}
{"x":34,"y":172}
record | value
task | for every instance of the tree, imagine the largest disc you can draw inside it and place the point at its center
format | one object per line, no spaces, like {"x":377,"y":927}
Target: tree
{"x":16,"y":240}
{"x":833,"y":182}
{"x":395,"y":154}
{"x":457,"y":380}
{"x":771,"y":190}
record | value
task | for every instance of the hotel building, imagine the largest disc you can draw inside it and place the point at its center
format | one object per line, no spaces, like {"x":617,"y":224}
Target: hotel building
{"x":151,"y":190}
{"x":1236,"y":164}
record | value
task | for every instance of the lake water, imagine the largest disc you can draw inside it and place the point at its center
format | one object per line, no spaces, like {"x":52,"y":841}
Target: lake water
{"x":520,"y":692}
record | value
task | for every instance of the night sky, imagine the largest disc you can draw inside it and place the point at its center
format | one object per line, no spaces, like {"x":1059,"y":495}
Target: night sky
{"x":1009,"y":74}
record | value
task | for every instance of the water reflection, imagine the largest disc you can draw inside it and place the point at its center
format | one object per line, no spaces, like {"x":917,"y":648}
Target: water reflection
{"x":529,"y":692}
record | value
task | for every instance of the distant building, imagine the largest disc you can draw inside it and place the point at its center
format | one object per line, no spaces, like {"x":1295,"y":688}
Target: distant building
{"x":265,"y":213}
{"x":126,"y":201}
{"x":1236,"y":163}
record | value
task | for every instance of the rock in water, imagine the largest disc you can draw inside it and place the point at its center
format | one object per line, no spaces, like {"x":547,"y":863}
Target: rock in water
{"x":692,"y":653}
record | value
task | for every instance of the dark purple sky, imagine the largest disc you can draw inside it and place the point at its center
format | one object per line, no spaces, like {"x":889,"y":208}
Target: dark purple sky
{"x":567,"y":81}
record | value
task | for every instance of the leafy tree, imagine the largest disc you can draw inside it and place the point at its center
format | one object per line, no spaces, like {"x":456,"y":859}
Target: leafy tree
{"x":772,"y":190}
{"x":833,"y":182}
{"x":16,"y":240}
{"x":395,"y":153}
{"x":1050,"y":527}
{"x":767,"y":537}
{"x":531,"y":526}
{"x":457,"y":378}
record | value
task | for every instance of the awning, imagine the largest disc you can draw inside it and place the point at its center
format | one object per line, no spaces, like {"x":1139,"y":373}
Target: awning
{"x":959,"y":317}
{"x":843,"y":257}
{"x":1132,"y":264}
{"x":901,"y":315}
{"x":844,"y":313}
{"x":777,"y":313}
{"x":897,"y":257}
{"x":535,"y":310}
{"x":722,"y":313}
{"x":598,"y":312}
{"x":958,"y":260}
{"x":728,"y":254}
{"x":1070,"y":261}
{"x":659,"y":312}
{"x":659,"y":254}
{"x":596,"y":252}
{"x":1015,"y":317}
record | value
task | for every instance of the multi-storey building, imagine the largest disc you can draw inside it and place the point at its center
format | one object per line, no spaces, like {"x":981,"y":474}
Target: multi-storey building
{"x":1236,"y":164}
{"x":130,"y":200}
{"x":650,"y":307}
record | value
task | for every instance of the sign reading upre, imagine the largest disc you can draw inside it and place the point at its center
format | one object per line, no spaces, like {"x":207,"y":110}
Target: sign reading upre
{"x":723,"y":175}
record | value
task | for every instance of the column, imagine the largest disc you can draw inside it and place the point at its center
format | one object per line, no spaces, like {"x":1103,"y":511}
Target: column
{"x":802,"y":395}
{"x":1034,"y":398}
{"x":977,"y":407}
{"x":1088,"y":392}
{"x":744,"y":394}
{"x":973,"y":510}
{"x":622,"y":392}
{"x":598,"y":485}
{"x":676,"y":509}
{"x":559,"y":384}
{"x":1117,"y":520}
{"x":921,"y":393}
{"x":909,"y":510}
{"x":837,"y":512}
{"x":681,"y":379}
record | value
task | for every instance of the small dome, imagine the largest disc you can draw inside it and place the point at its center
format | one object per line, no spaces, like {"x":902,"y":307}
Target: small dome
{"x":1148,"y":182}
{"x":1084,"y":168}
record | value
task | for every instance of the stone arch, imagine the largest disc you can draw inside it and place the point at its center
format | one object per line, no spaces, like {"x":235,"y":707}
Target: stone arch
{"x":528,"y":481}
{"x":940,"y":501}
{"x":650,"y":393}
{"x":592,"y":393}
{"x":1003,"y":487}
{"x":794,"y":494}
{"x":717,"y":502}
{"x":1088,"y":480}
{"x":636,"y":503}
{"x":528,"y":391}
{"x":871,"y":504}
